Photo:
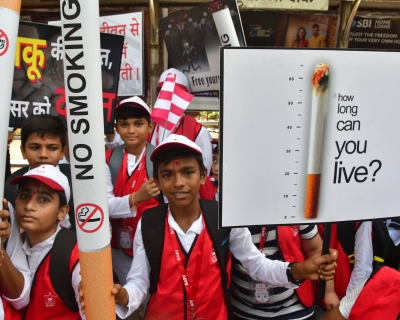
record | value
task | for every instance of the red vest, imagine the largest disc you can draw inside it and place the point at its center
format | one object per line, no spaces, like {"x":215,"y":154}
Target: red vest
{"x":45,"y":303}
{"x":343,"y":270}
{"x":289,"y":243}
{"x":170,"y":299}
{"x":123,"y":186}
{"x":9,"y":312}
{"x":380,"y":297}
{"x":209,"y":189}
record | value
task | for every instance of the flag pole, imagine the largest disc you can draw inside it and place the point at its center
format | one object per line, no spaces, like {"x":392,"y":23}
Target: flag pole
{"x":84,"y":101}
{"x":9,"y":23}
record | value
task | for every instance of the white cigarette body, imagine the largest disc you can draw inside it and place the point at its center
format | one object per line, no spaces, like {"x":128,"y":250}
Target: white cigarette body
{"x":318,"y":112}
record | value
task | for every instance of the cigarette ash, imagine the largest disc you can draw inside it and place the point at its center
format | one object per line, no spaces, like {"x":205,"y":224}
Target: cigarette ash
{"x":320,"y":78}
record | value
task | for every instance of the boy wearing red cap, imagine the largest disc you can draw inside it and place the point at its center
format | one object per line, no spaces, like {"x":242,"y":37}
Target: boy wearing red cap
{"x":130,"y":188}
{"x":182,"y":256}
{"x":41,"y":203}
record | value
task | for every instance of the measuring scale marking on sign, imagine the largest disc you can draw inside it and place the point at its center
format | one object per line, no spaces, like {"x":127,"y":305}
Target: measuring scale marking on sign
{"x":298,"y":88}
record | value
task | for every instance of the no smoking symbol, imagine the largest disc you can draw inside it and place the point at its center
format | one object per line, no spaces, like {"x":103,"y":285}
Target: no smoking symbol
{"x":89,"y":217}
{"x":4,"y":43}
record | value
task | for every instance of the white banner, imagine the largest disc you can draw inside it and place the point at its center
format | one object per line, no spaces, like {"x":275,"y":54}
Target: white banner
{"x":8,"y":43}
{"x":83,"y":88}
{"x":346,"y":127}
{"x":130,"y":25}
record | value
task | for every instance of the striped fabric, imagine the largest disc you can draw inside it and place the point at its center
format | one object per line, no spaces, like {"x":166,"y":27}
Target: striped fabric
{"x":283,"y":303}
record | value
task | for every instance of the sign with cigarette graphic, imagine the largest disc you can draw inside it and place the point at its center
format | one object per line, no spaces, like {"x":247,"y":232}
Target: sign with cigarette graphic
{"x":317,"y":135}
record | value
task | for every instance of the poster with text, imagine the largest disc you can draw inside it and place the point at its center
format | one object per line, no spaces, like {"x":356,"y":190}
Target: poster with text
{"x":129,"y":25}
{"x":38,"y":84}
{"x":312,"y":137}
{"x":375,"y":32}
{"x":193,"y":42}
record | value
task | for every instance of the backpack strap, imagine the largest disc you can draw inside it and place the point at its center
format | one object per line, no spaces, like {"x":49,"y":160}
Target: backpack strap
{"x":153,"y":224}
{"x":380,"y":242}
{"x":220,"y":240}
{"x":149,"y":164}
{"x":346,"y":232}
{"x":115,"y":161}
{"x":60,"y":275}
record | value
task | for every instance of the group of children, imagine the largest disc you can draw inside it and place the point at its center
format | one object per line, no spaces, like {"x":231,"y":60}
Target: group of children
{"x":168,"y":254}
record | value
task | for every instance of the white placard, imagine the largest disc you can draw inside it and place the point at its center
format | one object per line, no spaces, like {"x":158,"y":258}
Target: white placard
{"x":312,"y":5}
{"x":266,"y":102}
{"x":8,"y":43}
{"x":83,"y":88}
{"x":130,"y":25}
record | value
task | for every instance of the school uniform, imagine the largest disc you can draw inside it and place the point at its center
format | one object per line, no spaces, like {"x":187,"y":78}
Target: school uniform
{"x":131,"y":176}
{"x":374,"y":298}
{"x":14,"y":251}
{"x":44,"y":302}
{"x":210,"y":300}
{"x":249,"y":301}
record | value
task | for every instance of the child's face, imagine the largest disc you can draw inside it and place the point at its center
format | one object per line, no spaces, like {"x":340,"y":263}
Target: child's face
{"x":134,"y":131}
{"x":46,"y":150}
{"x":215,"y":166}
{"x":180,"y":181}
{"x":37,"y":208}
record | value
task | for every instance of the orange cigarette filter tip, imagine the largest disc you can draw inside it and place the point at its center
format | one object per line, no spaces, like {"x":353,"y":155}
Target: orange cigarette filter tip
{"x":97,"y":282}
{"x":11,"y":4}
{"x":312,"y":195}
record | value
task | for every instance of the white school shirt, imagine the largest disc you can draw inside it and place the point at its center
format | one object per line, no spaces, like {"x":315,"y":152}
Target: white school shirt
{"x":240,"y":244}
{"x":118,"y":207}
{"x":363,"y":255}
{"x":348,"y":301}
{"x":18,"y":259}
{"x":36,"y":254}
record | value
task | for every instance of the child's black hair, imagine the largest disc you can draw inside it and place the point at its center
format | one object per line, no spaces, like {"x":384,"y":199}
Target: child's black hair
{"x":168,"y":155}
{"x":215,"y":150}
{"x":126,"y":112}
{"x":43,"y":124}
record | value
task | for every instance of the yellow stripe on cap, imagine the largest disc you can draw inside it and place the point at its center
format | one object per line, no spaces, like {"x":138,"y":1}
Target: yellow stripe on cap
{"x":11,"y":4}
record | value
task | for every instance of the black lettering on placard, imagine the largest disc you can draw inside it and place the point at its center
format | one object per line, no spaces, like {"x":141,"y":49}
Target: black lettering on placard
{"x":76,"y":111}
{"x":72,"y":4}
{"x":79,"y":125}
{"x":76,"y":85}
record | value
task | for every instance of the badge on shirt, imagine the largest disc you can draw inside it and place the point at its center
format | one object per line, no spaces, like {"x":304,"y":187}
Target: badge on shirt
{"x":125,"y":237}
{"x":261,"y":291}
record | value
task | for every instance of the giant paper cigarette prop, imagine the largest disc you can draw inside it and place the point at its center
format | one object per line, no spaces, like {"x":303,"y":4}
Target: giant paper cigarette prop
{"x":225,"y":28}
{"x":83,"y":88}
{"x":9,"y":22}
{"x":318,"y":111}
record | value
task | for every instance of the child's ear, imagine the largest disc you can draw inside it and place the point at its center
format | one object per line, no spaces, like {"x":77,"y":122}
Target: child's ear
{"x":63,"y":152}
{"x":23,"y":151}
{"x":151,"y":126}
{"x":203,"y":176}
{"x":62,"y":212}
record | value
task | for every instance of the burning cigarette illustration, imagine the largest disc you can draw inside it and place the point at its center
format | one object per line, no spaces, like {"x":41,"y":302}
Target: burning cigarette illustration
{"x":318,"y":111}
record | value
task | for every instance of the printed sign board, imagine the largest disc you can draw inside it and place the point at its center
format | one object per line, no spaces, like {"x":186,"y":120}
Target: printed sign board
{"x":311,"y":138}
{"x":38,"y":84}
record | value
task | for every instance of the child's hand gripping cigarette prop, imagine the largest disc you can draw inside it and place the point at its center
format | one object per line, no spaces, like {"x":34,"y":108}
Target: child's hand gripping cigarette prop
{"x":318,"y":111}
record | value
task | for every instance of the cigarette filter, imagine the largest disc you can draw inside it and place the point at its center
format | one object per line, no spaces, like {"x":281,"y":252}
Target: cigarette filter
{"x":318,"y":112}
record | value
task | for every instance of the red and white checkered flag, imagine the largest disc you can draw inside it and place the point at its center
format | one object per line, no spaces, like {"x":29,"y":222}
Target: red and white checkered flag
{"x":171,"y":103}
